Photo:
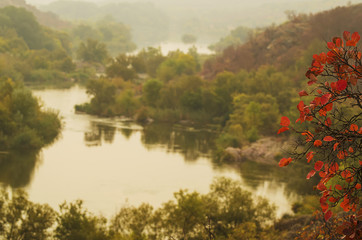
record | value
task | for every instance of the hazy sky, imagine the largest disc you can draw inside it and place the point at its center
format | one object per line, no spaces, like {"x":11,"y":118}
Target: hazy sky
{"x":102,"y":1}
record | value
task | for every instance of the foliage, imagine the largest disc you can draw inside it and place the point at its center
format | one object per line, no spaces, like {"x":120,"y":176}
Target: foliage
{"x":115,"y":35}
{"x":25,"y":26}
{"x":31,"y":52}
{"x":177,"y":64}
{"x":121,"y":66}
{"x":223,"y":213}
{"x":75,"y":223}
{"x":22,"y":219}
{"x":282,"y":45}
{"x":151,"y":92}
{"x":215,"y":215}
{"x":104,"y":93}
{"x":236,"y":37}
{"x":92,"y":51}
{"x":23,"y":125}
{"x":331,"y":137}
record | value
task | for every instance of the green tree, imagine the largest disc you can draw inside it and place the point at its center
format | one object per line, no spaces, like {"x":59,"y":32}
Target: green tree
{"x":25,"y":26}
{"x":177,"y":64}
{"x":133,"y":223}
{"x":151,"y":92}
{"x":22,"y":219}
{"x":92,"y":51}
{"x":104,"y":93}
{"x":121,"y":66}
{"x":75,"y":223}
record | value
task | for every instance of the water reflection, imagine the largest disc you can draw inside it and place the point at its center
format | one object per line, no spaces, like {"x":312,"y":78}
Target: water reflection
{"x":191,"y":143}
{"x":99,"y":133}
{"x":17,"y":169}
{"x":292,"y":179}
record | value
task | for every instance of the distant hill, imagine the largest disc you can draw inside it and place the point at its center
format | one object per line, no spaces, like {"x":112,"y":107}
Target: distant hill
{"x":281,"y":45}
{"x":149,"y":25}
{"x":44,"y":18}
{"x":169,"y":20}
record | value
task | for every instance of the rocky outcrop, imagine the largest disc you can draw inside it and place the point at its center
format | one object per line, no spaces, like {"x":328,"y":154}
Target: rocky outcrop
{"x":264,"y":150}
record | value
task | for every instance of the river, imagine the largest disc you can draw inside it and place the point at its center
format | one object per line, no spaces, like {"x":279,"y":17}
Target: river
{"x":111,"y":162}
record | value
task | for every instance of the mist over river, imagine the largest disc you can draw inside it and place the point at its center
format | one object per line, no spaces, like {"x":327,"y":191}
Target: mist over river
{"x":110,"y":162}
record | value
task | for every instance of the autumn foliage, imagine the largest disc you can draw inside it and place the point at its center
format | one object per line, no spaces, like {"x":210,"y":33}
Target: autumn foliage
{"x":330,"y":130}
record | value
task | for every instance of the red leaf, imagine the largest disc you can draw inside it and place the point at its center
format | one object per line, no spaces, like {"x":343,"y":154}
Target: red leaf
{"x":346,"y":35}
{"x":328,"y":215}
{"x":325,"y":98}
{"x":350,"y":149}
{"x":335,"y":146}
{"x":331,"y":45}
{"x":301,"y":106}
{"x":353,"y":128}
{"x":317,"y":143}
{"x":284,"y":121}
{"x":328,"y":122}
{"x":341,"y":85}
{"x":283,"y":129}
{"x":322,"y":174}
{"x":338,"y":41}
{"x":284,"y":162}
{"x":318,"y":165}
{"x":358,"y":186}
{"x":351,"y":43}
{"x":328,"y":107}
{"x":342,"y":154}
{"x":355,"y":37}
{"x":310,"y":156}
{"x":323,"y":57}
{"x":338,"y":187}
{"x":321,"y":186}
{"x":311,"y":174}
{"x":328,"y":139}
{"x":303,"y":93}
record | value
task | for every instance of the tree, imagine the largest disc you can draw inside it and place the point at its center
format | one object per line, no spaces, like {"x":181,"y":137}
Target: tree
{"x":92,"y":51}
{"x":133,"y":223}
{"x":177,"y":64}
{"x":151,"y":91}
{"x":75,"y":223}
{"x":121,"y":66}
{"x":104,"y":94}
{"x":22,"y":219}
{"x":331,"y":133}
{"x":24,"y":24}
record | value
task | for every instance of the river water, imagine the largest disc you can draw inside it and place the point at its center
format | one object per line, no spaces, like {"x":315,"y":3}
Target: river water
{"x":110,"y":162}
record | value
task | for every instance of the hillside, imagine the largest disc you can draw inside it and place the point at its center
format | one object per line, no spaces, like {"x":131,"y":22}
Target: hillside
{"x":282,"y":45}
{"x":44,"y":18}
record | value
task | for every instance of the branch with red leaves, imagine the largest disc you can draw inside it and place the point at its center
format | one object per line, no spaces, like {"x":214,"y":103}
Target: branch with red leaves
{"x":332,"y":138}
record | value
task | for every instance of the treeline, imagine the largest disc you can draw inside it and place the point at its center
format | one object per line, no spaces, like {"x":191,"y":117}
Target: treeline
{"x":38,"y":55}
{"x":32,"y":53}
{"x":23,"y":124}
{"x":150,"y":25}
{"x":225,"y":212}
{"x":115,"y":35}
{"x":239,"y":90}
{"x":149,"y":86}
{"x":283,"y":44}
